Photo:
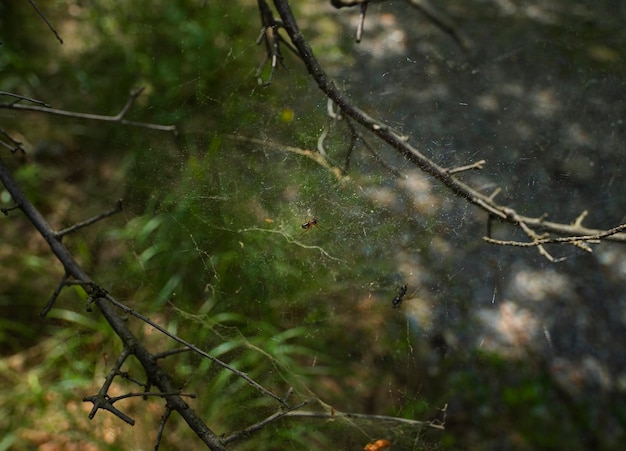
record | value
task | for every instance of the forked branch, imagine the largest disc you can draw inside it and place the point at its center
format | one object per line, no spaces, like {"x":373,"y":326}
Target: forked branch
{"x":118,"y":118}
{"x":157,"y":376}
{"x":400,"y":143}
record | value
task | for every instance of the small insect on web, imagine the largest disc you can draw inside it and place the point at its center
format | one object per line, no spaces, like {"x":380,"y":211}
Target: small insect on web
{"x":399,"y":297}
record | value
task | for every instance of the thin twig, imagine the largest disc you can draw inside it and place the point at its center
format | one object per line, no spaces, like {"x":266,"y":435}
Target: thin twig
{"x":118,"y":118}
{"x":88,"y":222}
{"x":442,"y":22}
{"x":595,"y":238}
{"x":6,"y":210}
{"x":15,"y":144}
{"x":54,"y":296}
{"x":20,"y":97}
{"x":261,"y":424}
{"x":315,"y":156}
{"x":361,"y":416}
{"x":354,"y":137}
{"x":34,"y":5}
{"x":272,"y":39}
{"x":533,"y":236}
{"x":171,"y":352}
{"x":164,"y":418}
{"x":157,"y":376}
{"x":477,"y":165}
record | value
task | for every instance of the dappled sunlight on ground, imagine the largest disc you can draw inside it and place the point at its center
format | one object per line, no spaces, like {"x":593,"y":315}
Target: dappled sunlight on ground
{"x":509,"y":330}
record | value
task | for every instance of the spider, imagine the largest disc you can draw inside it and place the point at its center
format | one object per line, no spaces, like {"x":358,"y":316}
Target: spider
{"x":310,"y":224}
{"x":400,"y":297}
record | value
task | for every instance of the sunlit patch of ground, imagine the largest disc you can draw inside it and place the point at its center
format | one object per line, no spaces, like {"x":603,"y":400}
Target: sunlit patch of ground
{"x":508,"y":329}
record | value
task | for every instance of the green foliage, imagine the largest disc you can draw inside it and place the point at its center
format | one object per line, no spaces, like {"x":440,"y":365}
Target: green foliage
{"x":494,"y":394}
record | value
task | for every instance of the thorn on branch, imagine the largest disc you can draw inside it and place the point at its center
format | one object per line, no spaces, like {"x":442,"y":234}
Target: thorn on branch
{"x":477,"y":165}
{"x":54,"y":296}
{"x":164,"y":418}
{"x":495,"y":193}
{"x":7,"y":210}
{"x":128,"y":377}
{"x":102,"y":401}
{"x":579,"y":220}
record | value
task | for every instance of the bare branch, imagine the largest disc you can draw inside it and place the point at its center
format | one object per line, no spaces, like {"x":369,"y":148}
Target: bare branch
{"x":272,"y":39}
{"x":102,"y":402}
{"x":171,"y":352}
{"x":166,"y":415}
{"x":118,"y":118}
{"x":349,"y":3}
{"x":19,"y":97}
{"x":158,"y":377}
{"x":438,"y":19}
{"x":399,"y":142}
{"x":595,"y":238}
{"x":54,"y":296}
{"x":88,"y":222}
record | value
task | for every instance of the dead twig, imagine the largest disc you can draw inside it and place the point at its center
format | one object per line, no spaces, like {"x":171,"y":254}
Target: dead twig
{"x":45,"y":19}
{"x":272,"y":39}
{"x":118,"y":118}
{"x":244,"y":433}
{"x":118,"y":207}
{"x":594,"y":239}
{"x":531,"y":226}
{"x":13,"y":145}
{"x":54,"y":296}
{"x":477,"y":165}
{"x":155,"y":374}
{"x":20,"y":97}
